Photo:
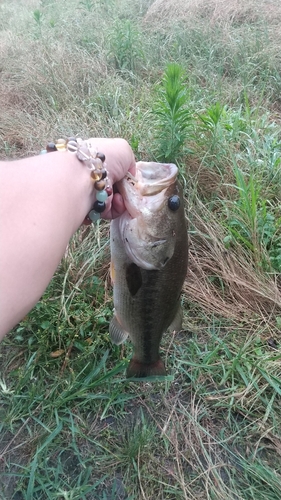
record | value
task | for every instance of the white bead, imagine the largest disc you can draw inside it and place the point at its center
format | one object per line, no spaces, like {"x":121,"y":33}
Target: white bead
{"x":72,"y":146}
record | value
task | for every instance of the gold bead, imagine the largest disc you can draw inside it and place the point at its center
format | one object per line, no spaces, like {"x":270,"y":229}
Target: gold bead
{"x":96,"y":176}
{"x":99,"y":185}
{"x":61,"y":147}
{"x":61,"y":141}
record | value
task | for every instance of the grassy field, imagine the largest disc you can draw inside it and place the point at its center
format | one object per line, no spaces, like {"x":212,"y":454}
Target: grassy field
{"x":71,"y":426}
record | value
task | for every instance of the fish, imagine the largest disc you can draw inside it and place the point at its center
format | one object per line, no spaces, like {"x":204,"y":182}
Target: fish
{"x":149,"y":257}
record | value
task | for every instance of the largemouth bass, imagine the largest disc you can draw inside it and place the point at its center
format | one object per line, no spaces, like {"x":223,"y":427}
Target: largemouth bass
{"x":149,"y":253}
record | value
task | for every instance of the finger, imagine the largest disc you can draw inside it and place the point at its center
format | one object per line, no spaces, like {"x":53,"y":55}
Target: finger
{"x":117,"y":207}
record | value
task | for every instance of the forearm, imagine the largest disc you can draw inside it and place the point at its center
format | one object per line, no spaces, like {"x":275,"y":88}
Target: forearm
{"x":43,"y":202}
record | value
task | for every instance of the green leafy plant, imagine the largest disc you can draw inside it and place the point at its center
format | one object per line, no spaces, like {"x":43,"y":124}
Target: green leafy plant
{"x":244,"y":222}
{"x":218,"y":130}
{"x":38,"y":16}
{"x":270,"y":229}
{"x":172,"y":116}
{"x":87,"y":5}
{"x":251,"y":222}
{"x":125,"y":45}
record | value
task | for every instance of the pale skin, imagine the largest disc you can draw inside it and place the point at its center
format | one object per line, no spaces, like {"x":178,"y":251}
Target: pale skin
{"x":43,"y":201}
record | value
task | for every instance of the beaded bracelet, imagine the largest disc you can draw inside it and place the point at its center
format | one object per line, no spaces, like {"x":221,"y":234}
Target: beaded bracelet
{"x":95,"y":161}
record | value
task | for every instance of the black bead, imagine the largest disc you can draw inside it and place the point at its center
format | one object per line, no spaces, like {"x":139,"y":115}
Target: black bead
{"x":174,"y":202}
{"x":51,"y":147}
{"x":104,"y":173}
{"x":99,"y":206}
{"x":101,"y":156}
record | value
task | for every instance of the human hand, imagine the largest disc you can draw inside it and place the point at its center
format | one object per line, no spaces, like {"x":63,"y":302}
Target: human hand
{"x":119,"y":159}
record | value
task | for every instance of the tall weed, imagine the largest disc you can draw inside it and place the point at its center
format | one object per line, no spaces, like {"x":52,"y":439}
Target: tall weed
{"x":125,"y":47}
{"x":172,"y":116}
{"x":252,"y":222}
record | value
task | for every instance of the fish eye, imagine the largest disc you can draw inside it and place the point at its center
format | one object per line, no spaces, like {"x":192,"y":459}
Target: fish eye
{"x":174,"y":202}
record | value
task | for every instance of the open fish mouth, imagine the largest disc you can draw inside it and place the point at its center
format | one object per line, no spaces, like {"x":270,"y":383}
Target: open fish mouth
{"x":129,"y":177}
{"x":140,"y":191}
{"x":151,"y":178}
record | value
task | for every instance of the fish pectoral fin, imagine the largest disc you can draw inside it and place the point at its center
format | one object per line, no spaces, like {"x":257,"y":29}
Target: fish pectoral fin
{"x":117,"y":334}
{"x":176,"y":324}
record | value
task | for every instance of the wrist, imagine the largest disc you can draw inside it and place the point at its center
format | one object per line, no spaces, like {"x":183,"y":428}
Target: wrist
{"x":94,"y":162}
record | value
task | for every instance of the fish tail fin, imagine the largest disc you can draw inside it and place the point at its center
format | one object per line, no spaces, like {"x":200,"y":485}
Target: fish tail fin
{"x":140,"y":370}
{"x":116,"y":332}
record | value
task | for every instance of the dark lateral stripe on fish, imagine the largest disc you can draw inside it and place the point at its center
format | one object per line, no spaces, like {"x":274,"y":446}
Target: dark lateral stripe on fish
{"x":148,"y":314}
{"x":139,"y":370}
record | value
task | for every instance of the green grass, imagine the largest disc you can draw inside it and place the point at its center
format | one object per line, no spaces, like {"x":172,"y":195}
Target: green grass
{"x":71,"y":425}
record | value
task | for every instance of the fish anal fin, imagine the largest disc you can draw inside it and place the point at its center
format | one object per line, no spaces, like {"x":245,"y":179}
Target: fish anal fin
{"x":117,"y":334}
{"x":140,"y":370}
{"x":133,"y":278}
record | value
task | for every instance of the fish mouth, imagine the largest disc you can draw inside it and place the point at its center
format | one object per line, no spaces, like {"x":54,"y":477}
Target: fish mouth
{"x":151,"y":179}
{"x":130,"y":178}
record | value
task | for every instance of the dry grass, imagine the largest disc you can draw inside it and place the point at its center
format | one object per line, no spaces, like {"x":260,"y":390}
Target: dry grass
{"x":227,"y":282}
{"x":215,"y":11}
{"x":47,"y":89}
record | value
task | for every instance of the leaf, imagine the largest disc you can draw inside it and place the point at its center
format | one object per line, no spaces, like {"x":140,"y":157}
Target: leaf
{"x":45,"y":325}
{"x":57,"y":353}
